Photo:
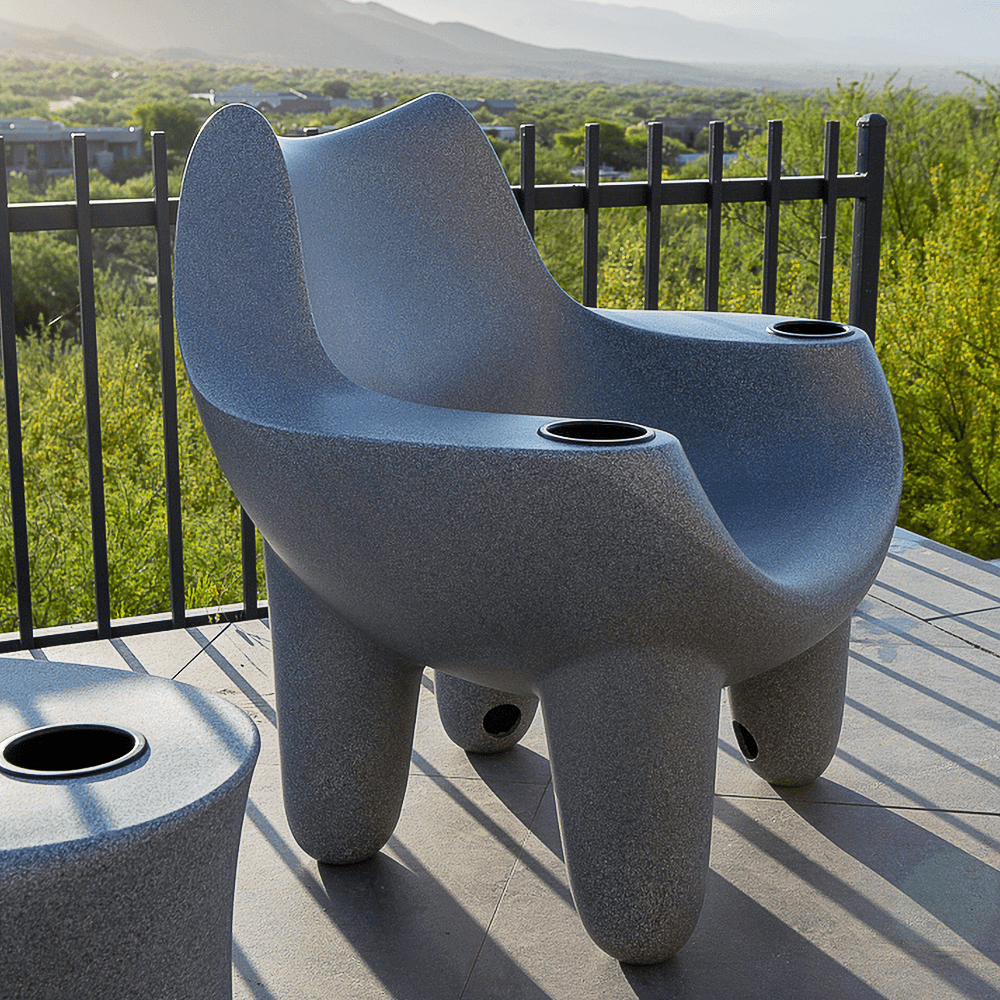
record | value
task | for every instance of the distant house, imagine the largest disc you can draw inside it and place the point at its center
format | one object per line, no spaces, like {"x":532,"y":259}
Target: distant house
{"x":687,"y":128}
{"x":355,"y":103}
{"x":34,"y":144}
{"x":505,"y":133}
{"x":291,"y":102}
{"x":493,"y":107}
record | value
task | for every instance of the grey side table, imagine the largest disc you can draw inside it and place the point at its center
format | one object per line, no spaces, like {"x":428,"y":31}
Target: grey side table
{"x":121,"y":805}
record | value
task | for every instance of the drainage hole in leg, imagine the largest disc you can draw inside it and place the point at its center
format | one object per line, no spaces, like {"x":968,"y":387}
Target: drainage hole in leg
{"x":501,"y":720}
{"x":747,"y":744}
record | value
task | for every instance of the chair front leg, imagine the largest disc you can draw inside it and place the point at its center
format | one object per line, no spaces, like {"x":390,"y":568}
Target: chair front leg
{"x":346,"y":713}
{"x":633,"y":746}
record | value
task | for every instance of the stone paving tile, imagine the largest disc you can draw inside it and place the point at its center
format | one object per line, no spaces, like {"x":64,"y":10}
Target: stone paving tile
{"x":407,"y":924}
{"x":929,"y":580}
{"x":879,"y":881}
{"x":804,"y":900}
{"x":237,"y":665}
{"x":878,"y":624}
{"x":94,"y":653}
{"x":165,"y":654}
{"x":981,"y":629}
{"x":921,"y":728}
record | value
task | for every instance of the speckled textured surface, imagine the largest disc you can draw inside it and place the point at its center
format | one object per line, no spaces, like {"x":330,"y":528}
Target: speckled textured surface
{"x":482,"y":719}
{"x":120,"y":884}
{"x":374,"y":343}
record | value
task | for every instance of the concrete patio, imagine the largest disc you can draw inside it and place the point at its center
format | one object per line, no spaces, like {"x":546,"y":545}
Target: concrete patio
{"x":880,"y":880}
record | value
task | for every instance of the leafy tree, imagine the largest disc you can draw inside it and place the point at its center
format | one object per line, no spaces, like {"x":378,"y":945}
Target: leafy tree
{"x":336,"y":88}
{"x":179,"y":122}
{"x":54,"y":449}
{"x":619,"y":148}
{"x":938,"y":321}
{"x":939,"y":342}
{"x":46,"y":296}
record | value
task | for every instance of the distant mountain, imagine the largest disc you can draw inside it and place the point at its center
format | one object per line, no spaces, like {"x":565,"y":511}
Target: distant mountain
{"x":74,"y":40}
{"x":342,"y":34}
{"x":871,"y":32}
{"x":638,"y":32}
{"x":335,"y":33}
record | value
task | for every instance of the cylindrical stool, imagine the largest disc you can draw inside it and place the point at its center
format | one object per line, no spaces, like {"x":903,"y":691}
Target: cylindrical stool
{"x":121,"y":804}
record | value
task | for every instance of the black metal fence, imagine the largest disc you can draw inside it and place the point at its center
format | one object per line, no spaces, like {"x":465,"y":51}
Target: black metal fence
{"x":864,"y":188}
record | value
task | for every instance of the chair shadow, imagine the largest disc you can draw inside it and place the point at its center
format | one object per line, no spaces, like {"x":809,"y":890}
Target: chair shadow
{"x":498,"y":771}
{"x":740,"y":949}
{"x":772,"y":959}
{"x":409,"y":930}
{"x":955,"y":887}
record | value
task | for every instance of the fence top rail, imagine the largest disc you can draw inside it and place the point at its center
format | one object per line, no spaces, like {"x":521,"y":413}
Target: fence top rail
{"x":49,"y":216}
{"x":698,"y":191}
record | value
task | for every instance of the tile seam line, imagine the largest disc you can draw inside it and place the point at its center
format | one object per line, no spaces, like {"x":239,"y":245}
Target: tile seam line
{"x":859,"y":805}
{"x":503,"y":892}
{"x":963,"y":614}
{"x":937,"y":618}
{"x":968,"y":642}
{"x":475,"y":777}
{"x":202,"y":649}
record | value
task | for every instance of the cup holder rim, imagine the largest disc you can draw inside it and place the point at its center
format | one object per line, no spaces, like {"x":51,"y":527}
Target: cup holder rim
{"x":137,"y":749}
{"x":587,"y":431}
{"x":811,"y":329}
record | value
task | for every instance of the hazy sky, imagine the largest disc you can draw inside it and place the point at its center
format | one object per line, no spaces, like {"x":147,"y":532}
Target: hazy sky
{"x":959,"y":34}
{"x":963,"y":27}
{"x":845,"y":17}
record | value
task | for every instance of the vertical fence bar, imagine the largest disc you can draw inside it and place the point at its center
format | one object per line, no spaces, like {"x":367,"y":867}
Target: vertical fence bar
{"x":528,"y":177}
{"x":654,"y":179}
{"x":867,"y":241}
{"x":91,"y":384}
{"x":168,"y":378}
{"x":248,"y":563}
{"x":12,"y":414}
{"x":591,"y":179}
{"x":772,"y":212}
{"x":828,"y":231}
{"x":713,"y":227}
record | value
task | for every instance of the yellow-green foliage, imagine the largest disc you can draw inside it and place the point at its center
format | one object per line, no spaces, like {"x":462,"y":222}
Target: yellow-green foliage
{"x":938,"y":336}
{"x":939,"y":311}
{"x":57,"y":492}
{"x":939,"y":342}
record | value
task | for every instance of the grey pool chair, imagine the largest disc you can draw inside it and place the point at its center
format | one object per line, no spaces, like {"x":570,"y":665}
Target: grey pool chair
{"x":453,"y":464}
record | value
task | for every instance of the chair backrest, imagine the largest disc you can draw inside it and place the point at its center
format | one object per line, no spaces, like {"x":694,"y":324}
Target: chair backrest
{"x":423,"y":280}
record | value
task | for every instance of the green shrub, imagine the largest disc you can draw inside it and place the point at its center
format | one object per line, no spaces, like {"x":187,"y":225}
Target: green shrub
{"x":57,"y":492}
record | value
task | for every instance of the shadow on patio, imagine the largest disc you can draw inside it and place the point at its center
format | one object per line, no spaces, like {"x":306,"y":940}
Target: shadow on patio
{"x":880,"y":880}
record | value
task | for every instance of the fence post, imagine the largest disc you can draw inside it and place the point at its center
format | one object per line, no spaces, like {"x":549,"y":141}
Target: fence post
{"x":91,"y":384}
{"x":12,"y":413}
{"x":867,"y":241}
{"x":528,"y":177}
{"x":828,"y":231}
{"x":772,"y":214}
{"x":168,"y":380}
{"x":591,"y":178}
{"x":654,"y":179}
{"x":713,"y":226}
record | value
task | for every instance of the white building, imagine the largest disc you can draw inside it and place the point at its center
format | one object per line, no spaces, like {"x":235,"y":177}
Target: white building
{"x":33,"y":143}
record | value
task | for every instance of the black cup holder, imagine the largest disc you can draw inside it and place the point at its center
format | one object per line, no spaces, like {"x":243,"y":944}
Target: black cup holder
{"x":70,"y":751}
{"x":603,"y":432}
{"x":808,"y":328}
